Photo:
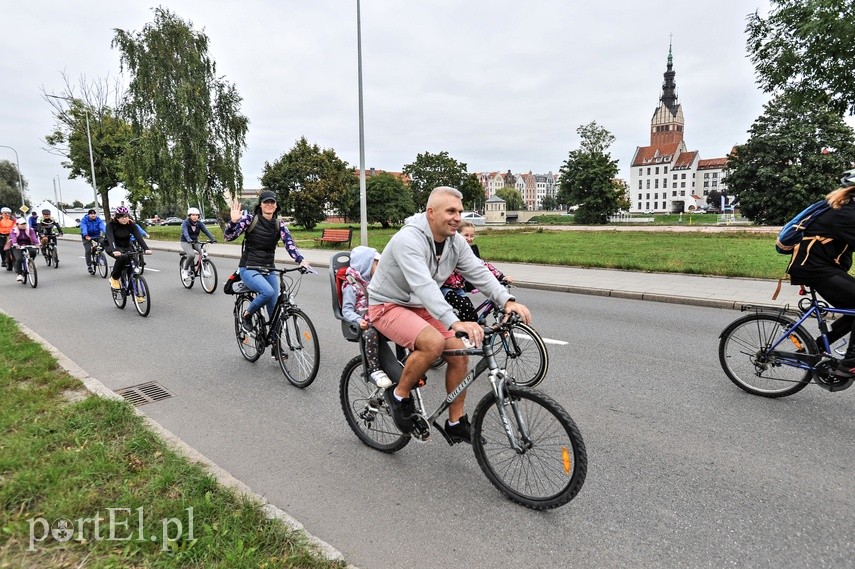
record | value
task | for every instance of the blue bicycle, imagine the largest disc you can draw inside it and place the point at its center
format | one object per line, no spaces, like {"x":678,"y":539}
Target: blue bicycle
{"x":770,"y":354}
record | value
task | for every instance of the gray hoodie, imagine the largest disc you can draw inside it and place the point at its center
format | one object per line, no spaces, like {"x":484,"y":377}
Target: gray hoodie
{"x":410,"y":275}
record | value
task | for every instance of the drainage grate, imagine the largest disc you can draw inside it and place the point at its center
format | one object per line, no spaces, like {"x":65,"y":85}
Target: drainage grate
{"x":144,"y":393}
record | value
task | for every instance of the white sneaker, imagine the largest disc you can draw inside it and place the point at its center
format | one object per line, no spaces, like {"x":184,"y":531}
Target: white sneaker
{"x":380,"y":379}
{"x":20,"y":278}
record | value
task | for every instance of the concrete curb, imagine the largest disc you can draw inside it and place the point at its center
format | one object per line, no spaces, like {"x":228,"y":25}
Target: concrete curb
{"x":220,"y":474}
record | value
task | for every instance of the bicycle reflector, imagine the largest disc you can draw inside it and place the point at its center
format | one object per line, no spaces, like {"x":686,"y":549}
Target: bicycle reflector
{"x":565,"y":454}
{"x":796,"y":342}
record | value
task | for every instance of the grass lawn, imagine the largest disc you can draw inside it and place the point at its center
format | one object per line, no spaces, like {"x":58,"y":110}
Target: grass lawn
{"x":75,"y":458}
{"x":732,"y":253}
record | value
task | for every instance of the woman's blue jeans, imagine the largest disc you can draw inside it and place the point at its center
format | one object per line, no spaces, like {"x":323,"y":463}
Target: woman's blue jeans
{"x":267,"y":287}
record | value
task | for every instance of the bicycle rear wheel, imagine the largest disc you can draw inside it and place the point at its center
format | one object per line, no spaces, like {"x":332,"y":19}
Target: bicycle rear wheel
{"x":102,"y":264}
{"x":297,"y":348}
{"x":142,"y":295}
{"x":250,"y":345}
{"x":208,"y":277}
{"x":525,"y":358}
{"x":743,"y":354}
{"x":186,"y":280}
{"x":366,"y":411}
{"x":120,"y":296}
{"x":550,"y":469}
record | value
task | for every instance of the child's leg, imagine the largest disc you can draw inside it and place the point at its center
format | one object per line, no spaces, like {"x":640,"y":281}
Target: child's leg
{"x":372,"y":357}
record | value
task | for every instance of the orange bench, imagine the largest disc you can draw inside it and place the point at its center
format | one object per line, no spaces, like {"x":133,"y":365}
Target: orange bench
{"x":336,"y":236}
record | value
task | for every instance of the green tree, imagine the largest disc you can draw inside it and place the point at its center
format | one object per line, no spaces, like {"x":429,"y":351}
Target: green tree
{"x":309,"y":181}
{"x":587,"y":177}
{"x":10,"y":192}
{"x":389,"y":201}
{"x":513,"y":198}
{"x":109,"y":133}
{"x":549,"y":203}
{"x":806,"y":45}
{"x":431,"y":170}
{"x":714,"y":198}
{"x":793,"y":157}
{"x":187,"y":121}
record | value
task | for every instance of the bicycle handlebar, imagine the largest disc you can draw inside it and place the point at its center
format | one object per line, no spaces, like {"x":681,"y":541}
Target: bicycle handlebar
{"x":267,"y":270}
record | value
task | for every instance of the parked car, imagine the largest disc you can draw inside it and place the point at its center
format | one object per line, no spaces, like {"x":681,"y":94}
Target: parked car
{"x":473,"y":218}
{"x":211,"y":221}
{"x":172,"y":221}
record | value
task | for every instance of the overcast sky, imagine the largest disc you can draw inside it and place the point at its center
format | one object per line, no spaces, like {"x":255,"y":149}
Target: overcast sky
{"x":499,"y":84}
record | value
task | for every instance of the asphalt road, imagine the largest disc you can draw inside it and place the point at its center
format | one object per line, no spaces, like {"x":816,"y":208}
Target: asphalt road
{"x":685,"y":470}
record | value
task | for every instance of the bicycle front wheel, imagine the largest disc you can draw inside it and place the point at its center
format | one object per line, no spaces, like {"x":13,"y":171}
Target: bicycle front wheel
{"x":208,"y":276}
{"x":32,"y":275}
{"x":142,"y":296}
{"x":250,"y":345}
{"x":549,"y":467}
{"x":48,"y":256}
{"x":525,"y":358}
{"x":743,"y":352}
{"x":297,"y":348}
{"x":102,"y":265}
{"x":366,"y":411}
{"x":55,"y":254}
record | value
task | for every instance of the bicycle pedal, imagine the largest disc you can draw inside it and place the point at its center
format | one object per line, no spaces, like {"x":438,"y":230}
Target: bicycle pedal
{"x":441,"y":431}
{"x":421,"y":432}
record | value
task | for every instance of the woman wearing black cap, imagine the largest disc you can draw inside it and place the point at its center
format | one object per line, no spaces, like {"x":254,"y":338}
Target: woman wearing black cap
{"x":263,"y":231}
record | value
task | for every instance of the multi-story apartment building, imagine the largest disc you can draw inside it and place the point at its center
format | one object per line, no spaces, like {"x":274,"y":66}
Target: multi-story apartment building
{"x":664,"y":176}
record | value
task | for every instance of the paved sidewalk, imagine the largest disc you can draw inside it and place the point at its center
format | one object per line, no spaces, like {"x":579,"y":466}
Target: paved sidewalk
{"x":673,"y":288}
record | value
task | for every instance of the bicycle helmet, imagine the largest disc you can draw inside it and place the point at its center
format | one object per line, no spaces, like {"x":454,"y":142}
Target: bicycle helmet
{"x":122,"y":210}
{"x":45,"y":212}
{"x":5,"y":210}
{"x":848,"y":178}
{"x":21,"y":221}
{"x":193,"y":211}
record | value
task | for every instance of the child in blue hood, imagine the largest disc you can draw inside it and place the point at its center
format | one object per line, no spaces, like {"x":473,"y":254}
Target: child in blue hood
{"x":354,"y":306}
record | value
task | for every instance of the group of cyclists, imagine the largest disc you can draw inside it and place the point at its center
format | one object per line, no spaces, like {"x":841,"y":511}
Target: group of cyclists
{"x":19,"y":235}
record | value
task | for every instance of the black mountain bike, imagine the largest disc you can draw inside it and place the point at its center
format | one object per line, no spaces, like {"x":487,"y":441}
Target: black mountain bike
{"x":290,"y":331}
{"x":99,"y":259}
{"x":526,"y":444}
{"x":133,"y":284}
{"x":50,"y":252}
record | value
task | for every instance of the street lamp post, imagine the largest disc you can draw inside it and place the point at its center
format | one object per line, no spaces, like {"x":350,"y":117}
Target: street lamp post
{"x":20,"y":179}
{"x":363,"y":206}
{"x":89,"y":141}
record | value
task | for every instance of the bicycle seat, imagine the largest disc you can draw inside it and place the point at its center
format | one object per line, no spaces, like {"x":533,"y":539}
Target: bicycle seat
{"x":338,"y":263}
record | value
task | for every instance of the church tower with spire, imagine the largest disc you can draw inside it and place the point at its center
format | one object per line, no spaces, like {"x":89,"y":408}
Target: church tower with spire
{"x":666,"y":126}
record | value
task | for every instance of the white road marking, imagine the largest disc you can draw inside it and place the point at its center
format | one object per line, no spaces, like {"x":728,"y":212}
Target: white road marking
{"x":545,"y":340}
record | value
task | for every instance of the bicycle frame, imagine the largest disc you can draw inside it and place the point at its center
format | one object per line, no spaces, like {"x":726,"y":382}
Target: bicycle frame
{"x":201,"y":248}
{"x":284,"y":301}
{"x":817,"y":310}
{"x":487,"y":362}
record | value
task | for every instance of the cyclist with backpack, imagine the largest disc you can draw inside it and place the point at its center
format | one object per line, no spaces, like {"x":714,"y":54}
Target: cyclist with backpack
{"x":822,"y":259}
{"x":263,"y":229}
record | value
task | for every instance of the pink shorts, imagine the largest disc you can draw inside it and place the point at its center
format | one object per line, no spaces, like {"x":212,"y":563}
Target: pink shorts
{"x":403,"y":324}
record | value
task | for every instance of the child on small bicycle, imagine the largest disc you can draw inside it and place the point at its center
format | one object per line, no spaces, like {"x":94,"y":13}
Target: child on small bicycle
{"x":455,"y":287}
{"x":354,"y":306}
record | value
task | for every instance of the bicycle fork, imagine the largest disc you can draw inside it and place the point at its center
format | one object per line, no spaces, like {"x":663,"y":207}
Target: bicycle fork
{"x":522,"y":443}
